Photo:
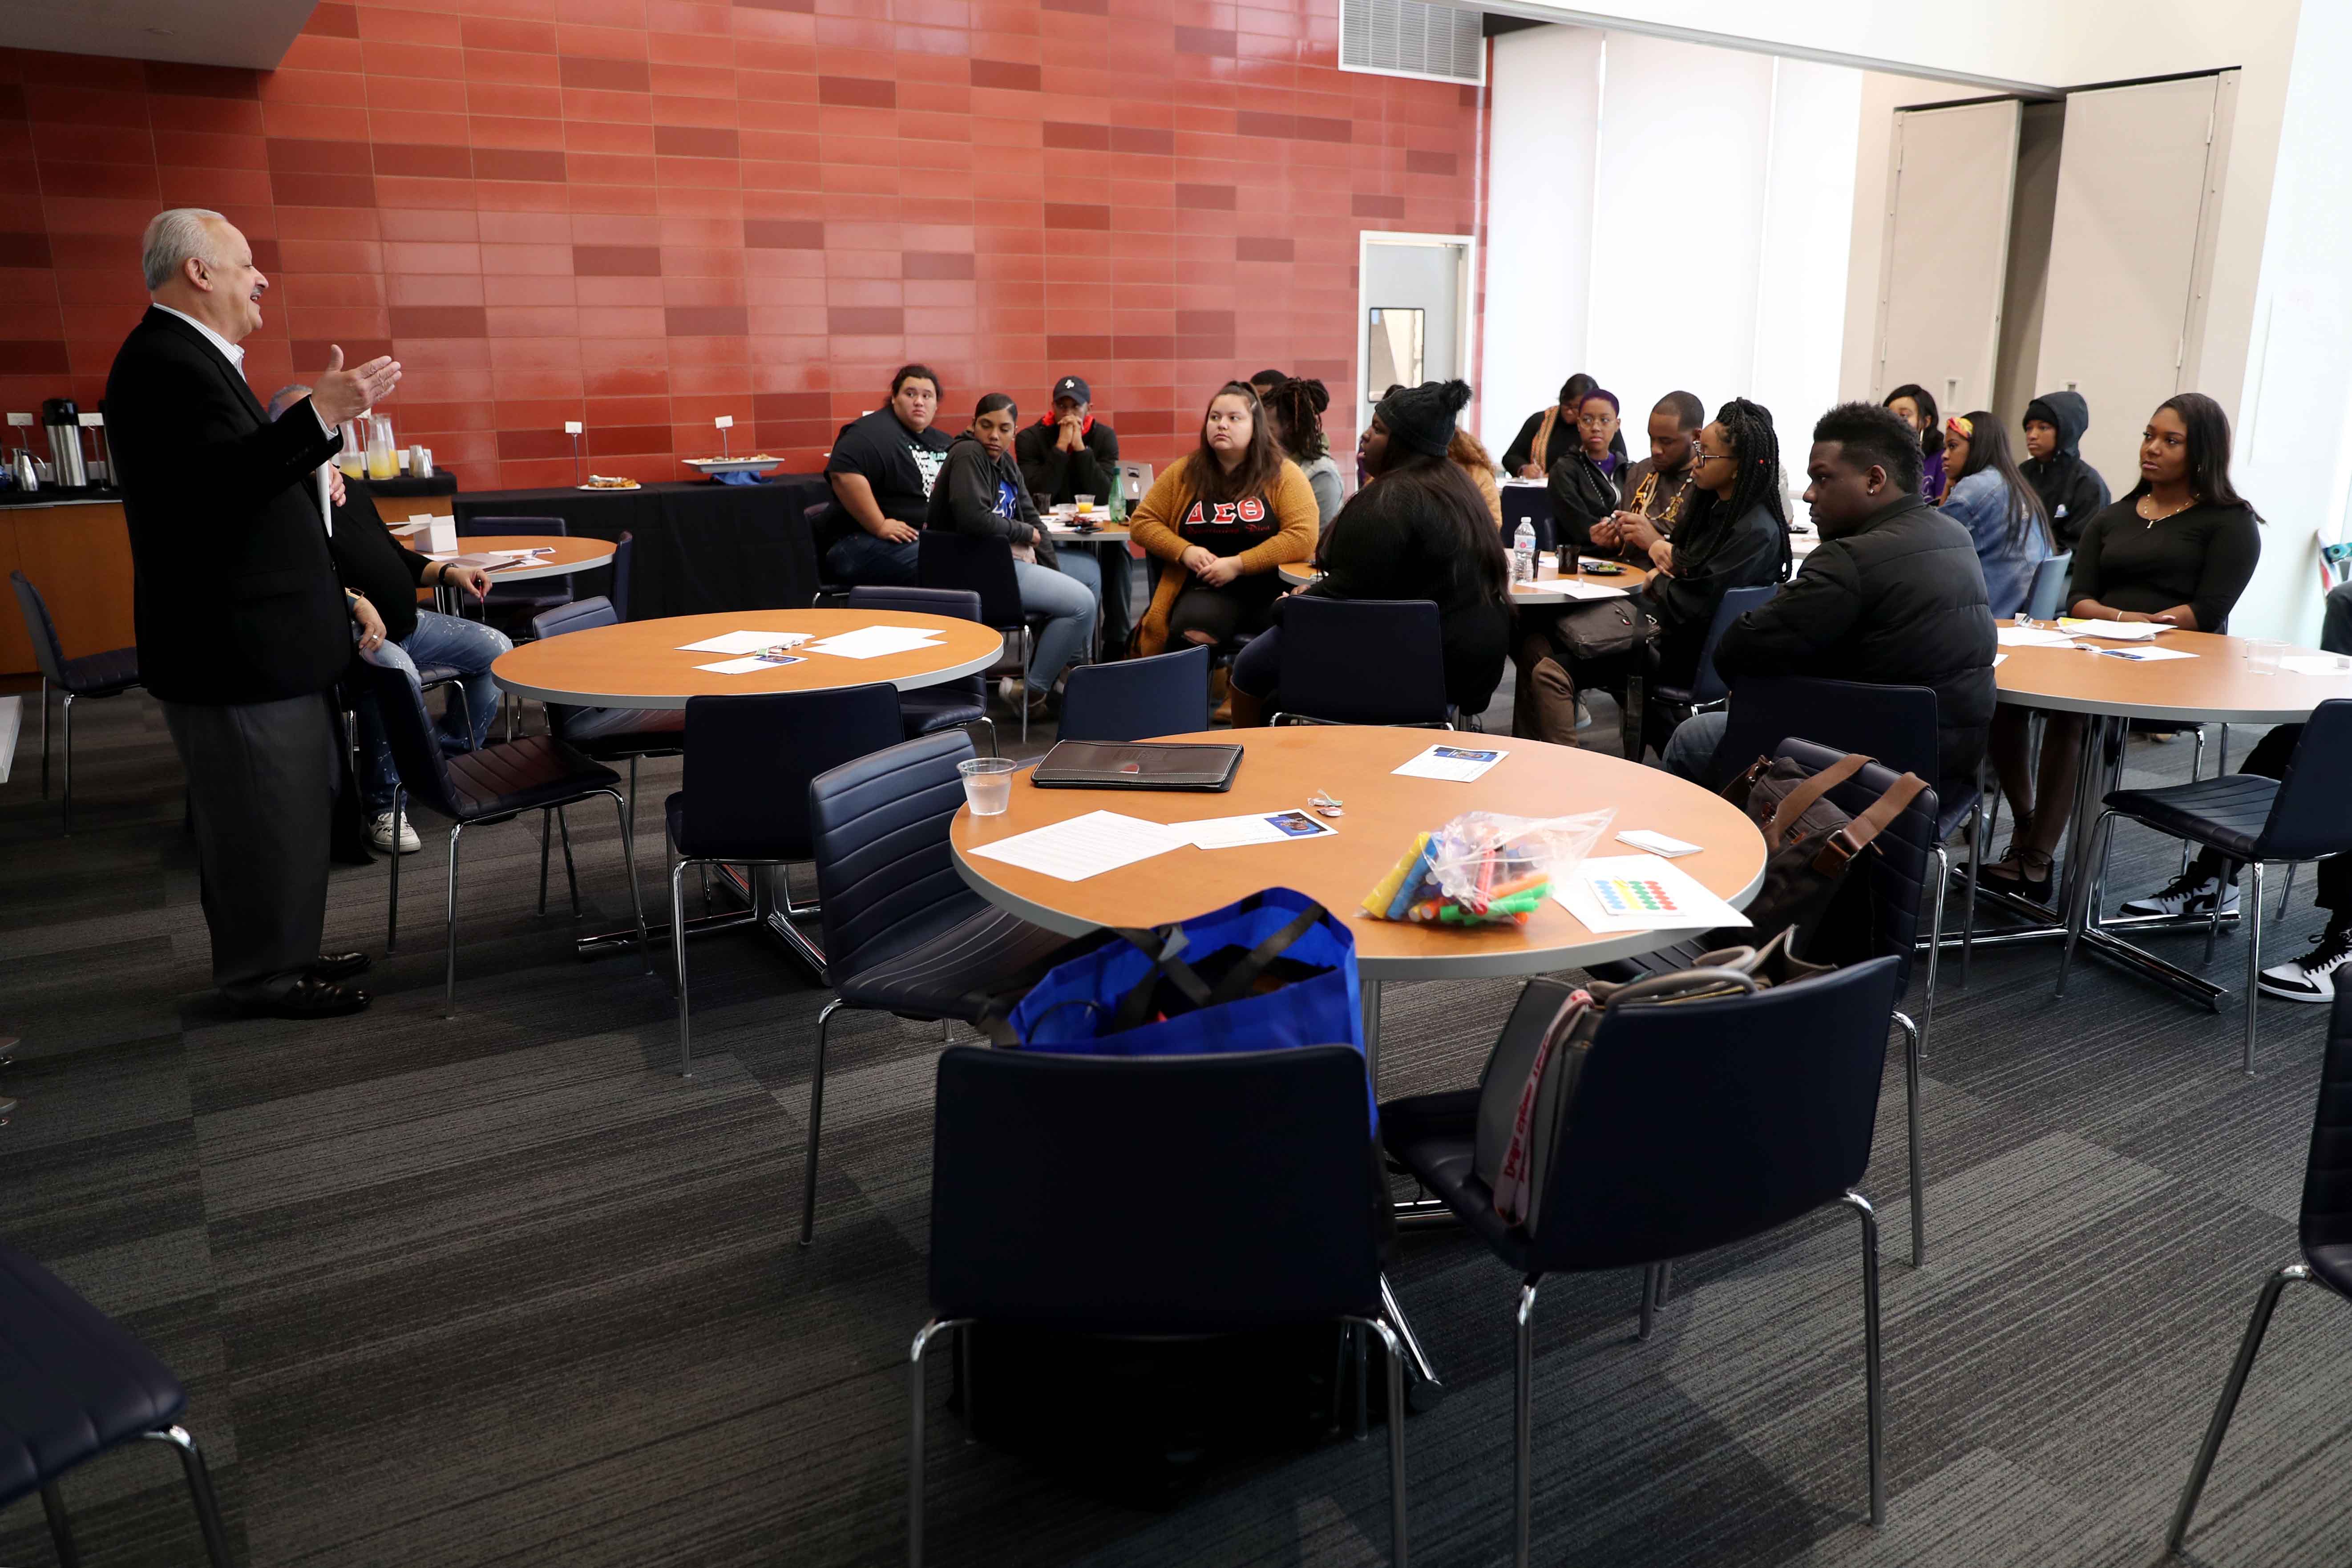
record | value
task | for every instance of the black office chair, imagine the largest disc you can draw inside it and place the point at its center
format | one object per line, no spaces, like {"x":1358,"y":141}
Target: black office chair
{"x":2323,"y":1235}
{"x":1137,"y":699}
{"x":1694,"y":1126}
{"x":473,"y":789}
{"x":108,"y":674}
{"x":810,"y":515}
{"x":951,"y":704}
{"x":511,"y":605}
{"x":982,"y":566}
{"x":623,"y":557}
{"x":745,"y":800}
{"x":1122,"y":1251}
{"x":2045,"y":597}
{"x":1362,"y":661}
{"x":2251,"y":819}
{"x":630,"y":745}
{"x":903,"y":933}
{"x":73,"y":1385}
{"x":1895,"y":725}
{"x":1707,"y":687}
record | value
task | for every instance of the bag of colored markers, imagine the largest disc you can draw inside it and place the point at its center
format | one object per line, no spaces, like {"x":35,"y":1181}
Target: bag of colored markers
{"x":1481,"y":869}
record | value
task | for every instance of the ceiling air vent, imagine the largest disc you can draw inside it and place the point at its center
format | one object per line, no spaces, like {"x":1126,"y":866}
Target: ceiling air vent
{"x":1406,"y":37}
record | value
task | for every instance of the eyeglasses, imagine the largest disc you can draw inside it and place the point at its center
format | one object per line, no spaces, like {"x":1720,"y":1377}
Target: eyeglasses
{"x":1596,"y":421}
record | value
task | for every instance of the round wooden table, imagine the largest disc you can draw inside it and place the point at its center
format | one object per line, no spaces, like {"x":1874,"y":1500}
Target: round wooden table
{"x":1281,"y":768}
{"x":1061,"y":532}
{"x":565,"y":554}
{"x":640,"y":664}
{"x":1544,"y":590}
{"x":2217,"y":685}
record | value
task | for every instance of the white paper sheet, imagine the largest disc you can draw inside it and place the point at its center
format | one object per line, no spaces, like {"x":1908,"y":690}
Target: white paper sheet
{"x":2112,"y":631}
{"x":746,"y":665}
{"x":1265,"y":827}
{"x":1575,"y":588}
{"x":874,"y":642}
{"x":1084,"y":845}
{"x":2311,"y":663}
{"x":1998,"y":659}
{"x":2142,"y":655}
{"x":2030,"y":636}
{"x":1657,"y":843}
{"x":744,"y":642}
{"x":1641,"y":892}
{"x":1458,"y":763}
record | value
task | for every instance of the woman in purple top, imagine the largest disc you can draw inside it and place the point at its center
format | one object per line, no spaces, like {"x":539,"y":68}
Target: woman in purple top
{"x":1917,"y":407}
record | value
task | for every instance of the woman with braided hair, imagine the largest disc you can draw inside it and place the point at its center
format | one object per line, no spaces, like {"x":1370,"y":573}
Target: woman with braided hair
{"x":1294,"y":411}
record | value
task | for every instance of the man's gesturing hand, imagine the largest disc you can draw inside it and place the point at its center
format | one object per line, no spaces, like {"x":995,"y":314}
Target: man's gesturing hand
{"x":339,"y":394}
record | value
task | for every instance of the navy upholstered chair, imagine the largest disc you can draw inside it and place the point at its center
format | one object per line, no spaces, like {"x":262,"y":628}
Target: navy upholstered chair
{"x":903,"y":933}
{"x":983,"y":566}
{"x":513,"y":604}
{"x":2045,"y":597}
{"x":2251,"y":819}
{"x":1707,"y":686}
{"x":749,"y":761}
{"x":73,"y":1385}
{"x":473,"y":789}
{"x":1016,"y":1240}
{"x":624,"y":558}
{"x":1137,"y":699}
{"x":630,"y":745}
{"x":108,"y":674}
{"x":2322,"y":1236}
{"x":1694,"y":1126}
{"x":951,"y":704}
{"x":1362,"y":661}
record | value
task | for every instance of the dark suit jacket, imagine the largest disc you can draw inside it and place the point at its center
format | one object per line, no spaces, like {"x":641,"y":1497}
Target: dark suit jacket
{"x":374,"y":563}
{"x":236,"y":596}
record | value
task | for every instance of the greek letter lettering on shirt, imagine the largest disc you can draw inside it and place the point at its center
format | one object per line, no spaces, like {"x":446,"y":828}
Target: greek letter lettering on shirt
{"x":927,"y":464}
{"x":1248,"y":515}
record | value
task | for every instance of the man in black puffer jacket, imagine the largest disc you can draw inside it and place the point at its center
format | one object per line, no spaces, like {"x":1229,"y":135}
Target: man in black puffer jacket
{"x":1894,"y":596}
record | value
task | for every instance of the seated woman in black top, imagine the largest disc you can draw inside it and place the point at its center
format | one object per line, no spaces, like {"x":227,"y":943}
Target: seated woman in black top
{"x":1584,"y":478}
{"x":2179,"y":549}
{"x":1419,"y":531}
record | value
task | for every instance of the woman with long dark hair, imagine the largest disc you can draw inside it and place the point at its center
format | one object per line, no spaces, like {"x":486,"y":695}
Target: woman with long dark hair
{"x":1999,"y":507}
{"x":2178,"y":549}
{"x":1293,"y":411}
{"x":1419,"y":531}
{"x":1917,"y":407}
{"x":1220,"y":520}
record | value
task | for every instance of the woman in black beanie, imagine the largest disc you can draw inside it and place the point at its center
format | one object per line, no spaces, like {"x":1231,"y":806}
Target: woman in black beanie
{"x":1419,"y":531}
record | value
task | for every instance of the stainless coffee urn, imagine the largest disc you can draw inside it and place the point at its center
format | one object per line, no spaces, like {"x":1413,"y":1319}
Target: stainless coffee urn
{"x":63,"y":421}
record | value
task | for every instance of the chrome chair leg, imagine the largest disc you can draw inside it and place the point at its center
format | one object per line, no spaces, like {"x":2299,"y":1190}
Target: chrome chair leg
{"x":930,"y":1331}
{"x":546,"y":836}
{"x":2235,"y":1385}
{"x":1649,"y":1301}
{"x":1977,"y":834}
{"x":391,"y":911}
{"x":45,"y":737}
{"x":1665,"y":1283}
{"x":2286,"y":888}
{"x":449,"y":918}
{"x":200,"y":1492}
{"x":991,"y":736}
{"x":563,"y":831}
{"x":629,"y":858}
{"x":1397,"y":1546}
{"x":1935,"y":942}
{"x":53,"y":1506}
{"x":817,"y":1117}
{"x":2221,"y":887}
{"x":2253,"y":960}
{"x":1911,"y":1112}
{"x":677,"y":956}
{"x":68,"y":710}
{"x":1523,"y":1388}
{"x":2196,"y":771}
{"x":2101,"y":831}
{"x":1873,"y":1391}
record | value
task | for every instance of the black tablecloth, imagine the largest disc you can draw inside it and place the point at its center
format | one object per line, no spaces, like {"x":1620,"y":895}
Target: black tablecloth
{"x":403,"y":488}
{"x":700,"y":547}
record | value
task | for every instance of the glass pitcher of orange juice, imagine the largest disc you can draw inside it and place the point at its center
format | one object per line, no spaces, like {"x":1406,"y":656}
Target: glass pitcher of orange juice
{"x":382,"y":456}
{"x":352,"y":459}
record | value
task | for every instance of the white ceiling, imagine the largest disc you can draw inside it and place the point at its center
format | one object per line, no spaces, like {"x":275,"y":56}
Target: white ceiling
{"x":255,"y":33}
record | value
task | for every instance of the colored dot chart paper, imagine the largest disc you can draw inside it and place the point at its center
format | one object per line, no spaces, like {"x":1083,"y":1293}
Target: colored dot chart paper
{"x":1634,"y":895}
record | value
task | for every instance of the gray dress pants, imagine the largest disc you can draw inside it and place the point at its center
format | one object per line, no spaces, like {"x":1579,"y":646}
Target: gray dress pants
{"x":261,"y":786}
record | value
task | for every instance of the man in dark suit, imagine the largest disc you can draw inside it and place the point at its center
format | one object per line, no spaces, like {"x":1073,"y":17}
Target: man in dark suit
{"x":242,"y":625}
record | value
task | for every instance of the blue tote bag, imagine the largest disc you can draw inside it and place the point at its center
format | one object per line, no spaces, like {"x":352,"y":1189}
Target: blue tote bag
{"x":1272,"y":971}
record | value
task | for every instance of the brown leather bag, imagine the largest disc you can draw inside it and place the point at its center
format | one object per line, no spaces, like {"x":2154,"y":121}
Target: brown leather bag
{"x":1811,"y":850}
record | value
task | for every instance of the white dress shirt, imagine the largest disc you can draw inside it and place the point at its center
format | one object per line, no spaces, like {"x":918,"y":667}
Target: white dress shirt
{"x":233,"y":352}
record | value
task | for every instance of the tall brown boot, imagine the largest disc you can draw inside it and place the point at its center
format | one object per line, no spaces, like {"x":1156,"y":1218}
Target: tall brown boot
{"x":1221,"y":708}
{"x":1247,"y":713}
{"x":1551,"y":702}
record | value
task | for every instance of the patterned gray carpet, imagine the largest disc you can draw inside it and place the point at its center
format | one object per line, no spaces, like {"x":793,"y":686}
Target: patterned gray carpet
{"x":503,"y":1290}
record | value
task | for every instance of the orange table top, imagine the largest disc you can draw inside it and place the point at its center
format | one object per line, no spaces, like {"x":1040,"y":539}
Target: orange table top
{"x":567,"y":554}
{"x":1281,"y":768}
{"x":2218,"y":685}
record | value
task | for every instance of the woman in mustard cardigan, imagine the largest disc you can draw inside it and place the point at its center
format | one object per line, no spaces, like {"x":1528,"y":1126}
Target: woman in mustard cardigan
{"x":1220,"y":520}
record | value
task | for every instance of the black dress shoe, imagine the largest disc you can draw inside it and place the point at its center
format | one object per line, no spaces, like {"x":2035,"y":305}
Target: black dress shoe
{"x":312,"y":998}
{"x":339,"y":965}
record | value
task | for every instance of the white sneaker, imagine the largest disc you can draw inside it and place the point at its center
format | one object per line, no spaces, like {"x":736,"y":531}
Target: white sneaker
{"x":381,"y":835}
{"x":2312,"y":977}
{"x":1583,"y":716}
{"x":2187,"y":895}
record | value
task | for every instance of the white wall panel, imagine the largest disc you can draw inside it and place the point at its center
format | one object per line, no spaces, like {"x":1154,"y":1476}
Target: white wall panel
{"x":1803,"y":283}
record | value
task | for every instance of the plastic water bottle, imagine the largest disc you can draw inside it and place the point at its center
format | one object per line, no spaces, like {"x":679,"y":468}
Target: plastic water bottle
{"x":1523,"y":552}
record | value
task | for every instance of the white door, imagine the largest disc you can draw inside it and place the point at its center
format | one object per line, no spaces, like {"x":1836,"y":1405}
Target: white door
{"x":1946,"y":254}
{"x":1414,"y":294}
{"x":2139,"y":181}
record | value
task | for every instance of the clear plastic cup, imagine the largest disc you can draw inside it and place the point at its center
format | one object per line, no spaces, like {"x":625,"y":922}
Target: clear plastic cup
{"x":987,"y":783}
{"x":2262,"y":655}
{"x":1085,"y":503}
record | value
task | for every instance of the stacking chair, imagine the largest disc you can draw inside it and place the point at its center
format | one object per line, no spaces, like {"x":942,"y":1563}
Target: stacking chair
{"x":2251,"y":819}
{"x":749,"y":761}
{"x":1694,"y":1126}
{"x":2045,"y":597}
{"x":1903,"y":885}
{"x":1016,"y":1240}
{"x":810,"y":515}
{"x":2323,"y":1238}
{"x":951,"y":704}
{"x":73,"y":1385}
{"x":1137,"y":699}
{"x":903,"y":933}
{"x":982,"y":566}
{"x":473,"y":789}
{"x":513,"y":604}
{"x":623,"y":556}
{"x":1707,"y":688}
{"x":1362,"y":661}
{"x":580,"y":616}
{"x":108,"y":674}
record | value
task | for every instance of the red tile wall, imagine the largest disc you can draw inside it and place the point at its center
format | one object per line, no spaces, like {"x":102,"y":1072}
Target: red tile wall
{"x":642,"y":214}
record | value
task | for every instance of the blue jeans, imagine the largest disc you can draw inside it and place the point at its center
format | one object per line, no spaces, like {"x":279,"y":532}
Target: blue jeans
{"x":857,"y":557}
{"x":1072,"y":597}
{"x":1690,"y":750}
{"x":461,"y":644}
